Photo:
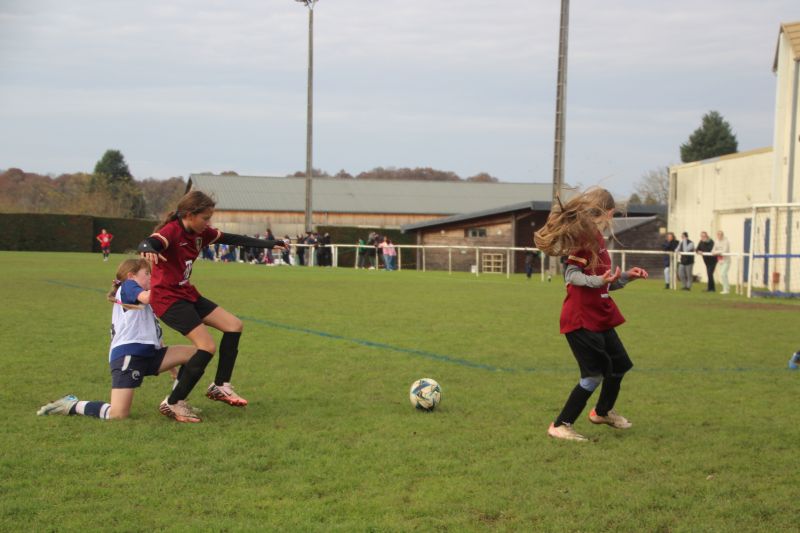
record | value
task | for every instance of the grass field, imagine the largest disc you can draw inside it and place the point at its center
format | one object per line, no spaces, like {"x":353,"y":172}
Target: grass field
{"x":330,"y":441}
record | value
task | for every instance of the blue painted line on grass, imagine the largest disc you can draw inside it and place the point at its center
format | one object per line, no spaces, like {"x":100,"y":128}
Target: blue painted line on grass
{"x":72,"y":286}
{"x":446,"y":358}
{"x":381,"y":346}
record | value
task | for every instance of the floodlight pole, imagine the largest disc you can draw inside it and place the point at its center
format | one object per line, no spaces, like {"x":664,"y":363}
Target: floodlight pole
{"x":561,"y":102}
{"x":309,"y":114}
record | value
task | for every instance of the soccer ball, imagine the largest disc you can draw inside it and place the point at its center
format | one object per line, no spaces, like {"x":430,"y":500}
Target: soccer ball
{"x":425,"y":394}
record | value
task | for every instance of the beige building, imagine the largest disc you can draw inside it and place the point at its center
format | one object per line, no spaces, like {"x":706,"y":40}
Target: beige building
{"x":719,"y":193}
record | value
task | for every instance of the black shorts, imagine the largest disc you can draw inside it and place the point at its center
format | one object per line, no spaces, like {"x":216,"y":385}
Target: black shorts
{"x":183,"y":316}
{"x":599,"y":353}
{"x":128,"y":371}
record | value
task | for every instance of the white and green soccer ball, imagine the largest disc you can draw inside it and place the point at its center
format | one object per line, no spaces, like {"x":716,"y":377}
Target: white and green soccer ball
{"x":425,"y":394}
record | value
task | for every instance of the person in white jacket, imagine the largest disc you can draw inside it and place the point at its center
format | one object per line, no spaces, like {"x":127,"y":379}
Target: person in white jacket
{"x":722,"y":247}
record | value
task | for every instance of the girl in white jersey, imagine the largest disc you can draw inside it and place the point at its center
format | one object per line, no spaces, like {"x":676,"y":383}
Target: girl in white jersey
{"x":136,"y":349}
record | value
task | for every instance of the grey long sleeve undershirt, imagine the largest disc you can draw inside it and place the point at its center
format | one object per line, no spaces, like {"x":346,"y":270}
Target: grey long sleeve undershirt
{"x":574,"y":276}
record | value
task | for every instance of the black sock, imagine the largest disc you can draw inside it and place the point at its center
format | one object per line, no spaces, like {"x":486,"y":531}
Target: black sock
{"x":574,"y":406}
{"x":228,"y":350}
{"x":608,"y":395}
{"x":190,"y":374}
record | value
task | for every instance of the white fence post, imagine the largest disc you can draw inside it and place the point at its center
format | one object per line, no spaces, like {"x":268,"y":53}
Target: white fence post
{"x":449,"y":260}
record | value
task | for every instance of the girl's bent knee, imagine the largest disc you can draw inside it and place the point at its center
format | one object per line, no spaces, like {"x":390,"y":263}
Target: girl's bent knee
{"x":118,"y":414}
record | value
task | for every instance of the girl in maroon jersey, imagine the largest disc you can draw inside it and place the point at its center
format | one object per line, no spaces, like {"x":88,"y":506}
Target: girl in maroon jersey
{"x":172,"y":250}
{"x":589,"y":315}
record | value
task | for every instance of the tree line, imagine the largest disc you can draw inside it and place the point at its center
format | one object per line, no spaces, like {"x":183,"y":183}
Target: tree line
{"x":109,"y":191}
{"x":393,"y":173}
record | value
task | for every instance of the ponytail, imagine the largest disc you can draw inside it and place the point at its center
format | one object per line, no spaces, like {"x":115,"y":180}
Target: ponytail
{"x":192,"y":203}
{"x":112,"y":293}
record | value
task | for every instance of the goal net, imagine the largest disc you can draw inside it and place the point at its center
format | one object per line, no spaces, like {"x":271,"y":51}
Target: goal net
{"x":772,"y":262}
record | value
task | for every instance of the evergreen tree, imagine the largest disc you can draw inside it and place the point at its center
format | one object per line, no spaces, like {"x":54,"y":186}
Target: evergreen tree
{"x":713,"y":138}
{"x":113,"y":177}
{"x":113,"y":168}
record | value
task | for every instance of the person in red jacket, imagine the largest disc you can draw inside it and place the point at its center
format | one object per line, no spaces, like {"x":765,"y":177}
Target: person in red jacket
{"x":105,"y":238}
{"x":589,"y":315}
{"x":172,"y":250}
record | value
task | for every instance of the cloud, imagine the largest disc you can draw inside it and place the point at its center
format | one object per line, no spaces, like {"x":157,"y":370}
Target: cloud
{"x":466,"y":85}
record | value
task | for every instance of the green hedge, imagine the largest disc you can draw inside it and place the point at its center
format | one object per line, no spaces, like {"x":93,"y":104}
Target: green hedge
{"x":128,"y":232}
{"x":350,"y":235}
{"x":69,"y":233}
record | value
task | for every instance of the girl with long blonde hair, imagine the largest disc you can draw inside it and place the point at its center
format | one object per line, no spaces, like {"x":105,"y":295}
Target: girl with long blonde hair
{"x":589,"y":315}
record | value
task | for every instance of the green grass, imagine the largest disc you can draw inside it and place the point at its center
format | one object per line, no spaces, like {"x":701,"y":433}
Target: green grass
{"x":330,"y":441}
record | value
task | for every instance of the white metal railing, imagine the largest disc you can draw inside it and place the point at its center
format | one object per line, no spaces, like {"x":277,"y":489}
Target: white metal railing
{"x":738,"y":283}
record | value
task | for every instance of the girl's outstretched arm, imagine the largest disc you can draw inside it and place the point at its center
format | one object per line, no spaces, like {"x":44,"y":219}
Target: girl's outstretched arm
{"x":574,"y":276}
{"x":242,"y":240}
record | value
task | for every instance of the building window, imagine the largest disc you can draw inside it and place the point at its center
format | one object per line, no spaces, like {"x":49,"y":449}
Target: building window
{"x":475,"y":232}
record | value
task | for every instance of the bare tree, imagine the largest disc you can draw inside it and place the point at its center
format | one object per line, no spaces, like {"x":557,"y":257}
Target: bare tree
{"x":161,"y":195}
{"x":653,"y":187}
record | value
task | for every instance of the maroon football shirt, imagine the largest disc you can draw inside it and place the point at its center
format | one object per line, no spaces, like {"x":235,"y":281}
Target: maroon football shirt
{"x":170,"y":279}
{"x":585,"y":307}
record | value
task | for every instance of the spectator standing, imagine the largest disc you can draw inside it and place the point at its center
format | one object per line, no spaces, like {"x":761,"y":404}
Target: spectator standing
{"x":704,"y":247}
{"x":301,"y":250}
{"x":373,"y":241}
{"x":363,"y":251}
{"x":313,"y":249}
{"x":529,"y":256}
{"x":326,"y":255}
{"x":686,"y":262}
{"x":721,"y":248}
{"x":389,"y":253}
{"x":668,"y":246}
{"x":268,"y":257}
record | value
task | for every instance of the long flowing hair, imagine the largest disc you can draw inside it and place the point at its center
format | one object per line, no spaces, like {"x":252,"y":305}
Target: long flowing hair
{"x":573,"y":226}
{"x":129,"y":266}
{"x":192,"y":203}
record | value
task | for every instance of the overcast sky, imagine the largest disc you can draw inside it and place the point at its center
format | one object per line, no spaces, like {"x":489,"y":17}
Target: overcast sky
{"x":182,"y":86}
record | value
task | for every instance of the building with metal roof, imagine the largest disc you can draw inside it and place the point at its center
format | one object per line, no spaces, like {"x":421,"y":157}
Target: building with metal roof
{"x":250,"y":204}
{"x":512,"y":226}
